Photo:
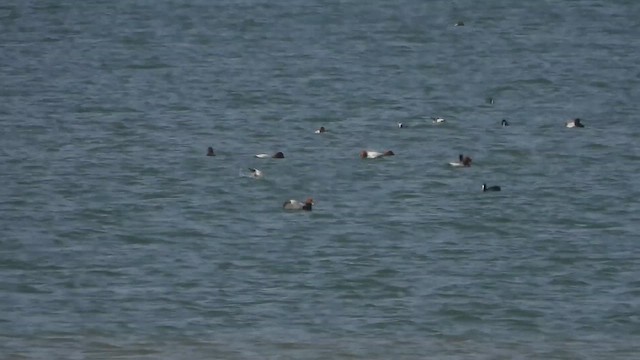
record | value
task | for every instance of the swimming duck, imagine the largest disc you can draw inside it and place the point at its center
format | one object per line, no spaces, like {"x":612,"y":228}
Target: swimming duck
{"x":401,"y":125}
{"x":297,"y":205}
{"x":575,"y":123}
{"x":255,"y":173}
{"x":210,"y":151}
{"x":462,"y":161}
{"x":504,"y":122}
{"x":321,"y":130}
{"x":438,"y":120}
{"x":278,"y":155}
{"x":375,"y":154}
{"x":490,"y":188}
{"x":460,"y":23}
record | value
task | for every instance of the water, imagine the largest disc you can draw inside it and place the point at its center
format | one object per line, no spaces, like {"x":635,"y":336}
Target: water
{"x":121,"y":240}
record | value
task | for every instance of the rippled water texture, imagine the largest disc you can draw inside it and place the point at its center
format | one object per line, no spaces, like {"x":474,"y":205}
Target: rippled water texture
{"x":121,"y":240}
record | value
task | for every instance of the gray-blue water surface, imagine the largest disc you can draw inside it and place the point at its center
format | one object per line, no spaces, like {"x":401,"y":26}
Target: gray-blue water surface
{"x":121,"y":240}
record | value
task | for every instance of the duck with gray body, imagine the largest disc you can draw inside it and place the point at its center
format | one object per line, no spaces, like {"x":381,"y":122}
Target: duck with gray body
{"x":298,"y":205}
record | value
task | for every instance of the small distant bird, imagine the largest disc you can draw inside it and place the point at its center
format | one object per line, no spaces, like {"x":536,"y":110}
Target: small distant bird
{"x":321,"y":130}
{"x":401,"y":125}
{"x":490,"y":188}
{"x":438,"y":120}
{"x":210,"y":151}
{"x":364,"y":154}
{"x":255,"y":173}
{"x":575,"y":123}
{"x":504,"y":122}
{"x":297,"y":205}
{"x":460,"y":23}
{"x":278,"y":155}
{"x":490,"y":100}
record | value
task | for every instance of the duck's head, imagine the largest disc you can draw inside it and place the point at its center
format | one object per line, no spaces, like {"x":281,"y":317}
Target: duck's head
{"x":460,"y":157}
{"x":278,"y":155}
{"x":363,"y":154}
{"x":388,"y":153}
{"x":466,"y":161}
{"x":577,"y":122}
{"x":308,"y":204}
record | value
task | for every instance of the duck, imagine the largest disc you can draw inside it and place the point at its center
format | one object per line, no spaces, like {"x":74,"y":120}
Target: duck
{"x":278,"y":155}
{"x":438,"y":120}
{"x":321,"y":130}
{"x":504,"y":122}
{"x":459,"y":23}
{"x":490,"y":100}
{"x":364,"y":154}
{"x":401,"y":125}
{"x":210,"y":151}
{"x":298,"y":205}
{"x":490,"y":188}
{"x":575,"y":123}
{"x":255,"y":173}
{"x":462,"y":161}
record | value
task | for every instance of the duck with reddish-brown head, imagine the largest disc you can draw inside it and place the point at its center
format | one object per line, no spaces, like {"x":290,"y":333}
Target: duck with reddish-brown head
{"x":463,"y":161}
{"x":298,"y":205}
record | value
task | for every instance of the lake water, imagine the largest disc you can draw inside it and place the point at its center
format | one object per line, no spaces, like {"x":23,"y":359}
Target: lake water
{"x":120,"y":239}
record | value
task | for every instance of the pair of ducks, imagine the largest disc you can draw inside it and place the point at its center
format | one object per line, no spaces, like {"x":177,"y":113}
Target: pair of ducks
{"x":278,"y":155}
{"x":435,"y":120}
{"x":440,"y":120}
{"x":575,"y":123}
{"x":308,"y":204}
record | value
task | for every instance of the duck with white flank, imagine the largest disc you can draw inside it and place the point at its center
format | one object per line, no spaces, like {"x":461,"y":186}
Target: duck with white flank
{"x":278,"y":155}
{"x":464,"y":161}
{"x":364,"y":154}
{"x":297,"y":205}
{"x":575,"y":123}
{"x":438,"y":120}
{"x":486,"y":188}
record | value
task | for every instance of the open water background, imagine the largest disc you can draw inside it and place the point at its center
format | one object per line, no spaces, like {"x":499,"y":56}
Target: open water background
{"x":119,"y":239}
